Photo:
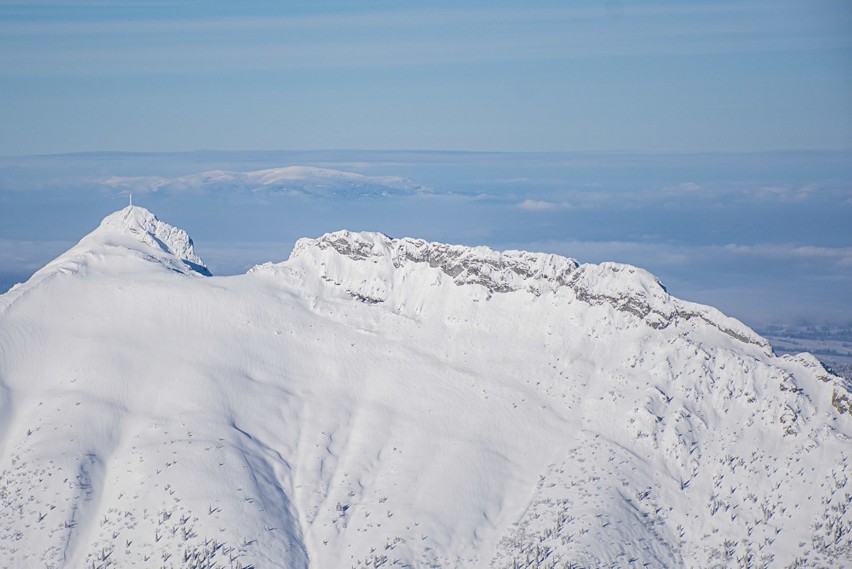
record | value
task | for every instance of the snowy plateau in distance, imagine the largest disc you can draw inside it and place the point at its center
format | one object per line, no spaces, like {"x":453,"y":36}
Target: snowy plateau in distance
{"x":288,"y":180}
{"x":373,"y":402}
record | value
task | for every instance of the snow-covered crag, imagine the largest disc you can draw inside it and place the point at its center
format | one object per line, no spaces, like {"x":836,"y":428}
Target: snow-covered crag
{"x":378,"y":402}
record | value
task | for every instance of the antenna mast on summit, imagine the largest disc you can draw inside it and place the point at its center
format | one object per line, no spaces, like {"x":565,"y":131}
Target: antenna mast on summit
{"x":130,"y":197}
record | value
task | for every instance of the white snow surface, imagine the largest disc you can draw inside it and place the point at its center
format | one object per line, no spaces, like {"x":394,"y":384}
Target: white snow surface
{"x":376,"y":402}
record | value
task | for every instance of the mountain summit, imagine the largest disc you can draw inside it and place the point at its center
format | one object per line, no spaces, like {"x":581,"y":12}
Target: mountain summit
{"x":151,"y":231}
{"x":393,"y":402}
{"x":138,"y":229}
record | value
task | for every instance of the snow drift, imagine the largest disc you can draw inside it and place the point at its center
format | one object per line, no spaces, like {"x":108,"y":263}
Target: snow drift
{"x":379,"y":402}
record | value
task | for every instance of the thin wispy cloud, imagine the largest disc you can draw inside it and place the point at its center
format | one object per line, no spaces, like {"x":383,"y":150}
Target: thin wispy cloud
{"x":840,"y":257}
{"x":644,"y":76}
{"x":541,"y":206}
{"x":369,"y":18}
{"x":785,"y":193}
{"x":401,"y":37}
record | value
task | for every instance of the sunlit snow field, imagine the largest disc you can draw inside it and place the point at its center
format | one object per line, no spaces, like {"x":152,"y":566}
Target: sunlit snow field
{"x":374,"y":402}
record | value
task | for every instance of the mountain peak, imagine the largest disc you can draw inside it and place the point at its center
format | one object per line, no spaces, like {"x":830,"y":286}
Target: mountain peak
{"x":144,"y":227}
{"x":131,"y":233}
{"x":132,"y":219}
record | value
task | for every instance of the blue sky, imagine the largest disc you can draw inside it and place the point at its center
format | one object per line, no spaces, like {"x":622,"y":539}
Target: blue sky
{"x":532,"y":76}
{"x":710,"y":142}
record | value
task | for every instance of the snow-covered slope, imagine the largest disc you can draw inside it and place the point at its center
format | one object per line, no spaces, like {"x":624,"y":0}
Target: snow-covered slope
{"x":378,"y":402}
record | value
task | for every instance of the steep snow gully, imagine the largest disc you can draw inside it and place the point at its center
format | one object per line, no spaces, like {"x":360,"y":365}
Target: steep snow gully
{"x":377,"y":402}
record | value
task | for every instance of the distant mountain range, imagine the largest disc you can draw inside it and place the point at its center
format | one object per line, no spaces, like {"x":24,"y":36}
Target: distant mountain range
{"x":290,"y":180}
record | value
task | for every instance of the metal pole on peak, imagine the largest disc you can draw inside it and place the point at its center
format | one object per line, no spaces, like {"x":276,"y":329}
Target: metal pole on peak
{"x":130,"y":197}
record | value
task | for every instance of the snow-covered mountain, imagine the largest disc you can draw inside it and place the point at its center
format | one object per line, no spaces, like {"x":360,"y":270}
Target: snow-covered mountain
{"x":288,"y":180}
{"x":378,"y":402}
